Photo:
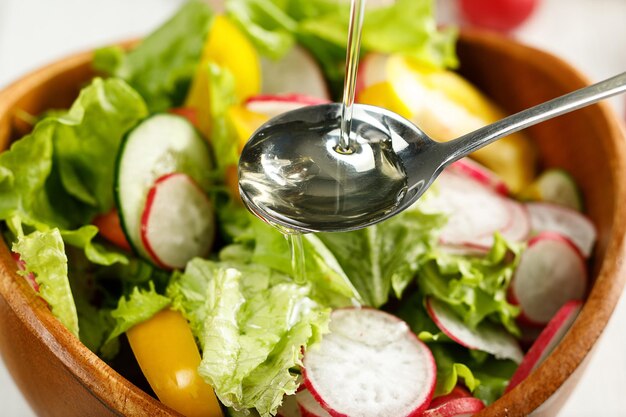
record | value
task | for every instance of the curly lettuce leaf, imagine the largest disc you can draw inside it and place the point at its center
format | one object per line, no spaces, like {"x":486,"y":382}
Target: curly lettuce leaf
{"x":405,"y":26}
{"x":162,"y":66}
{"x":474,"y":287}
{"x":138,"y":307}
{"x":386,"y":256}
{"x":485,"y":376}
{"x":69,"y":175}
{"x":330,"y":284}
{"x":222,"y":96}
{"x":83,"y":238}
{"x":88,"y":136}
{"x":252,"y":326}
{"x":44,"y":256}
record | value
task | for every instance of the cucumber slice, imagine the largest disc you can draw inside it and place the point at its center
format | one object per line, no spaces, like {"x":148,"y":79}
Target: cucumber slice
{"x":555,"y":186}
{"x":159,"y":145}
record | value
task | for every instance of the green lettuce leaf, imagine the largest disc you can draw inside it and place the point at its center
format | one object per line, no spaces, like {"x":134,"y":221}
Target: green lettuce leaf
{"x":404,"y":26}
{"x":267,"y":25}
{"x":222,"y":96}
{"x":474,"y":287}
{"x":71,"y":158}
{"x":83,"y":238}
{"x":140,"y":305}
{"x":484,"y":375}
{"x":252,"y":325}
{"x":26,"y":189}
{"x":449,"y":371}
{"x":330,"y":284}
{"x":44,"y":256}
{"x":162,"y":66}
{"x":386,"y":256}
{"x":87,"y":138}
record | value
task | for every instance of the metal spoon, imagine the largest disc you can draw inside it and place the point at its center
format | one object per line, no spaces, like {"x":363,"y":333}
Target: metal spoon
{"x":293,"y":174}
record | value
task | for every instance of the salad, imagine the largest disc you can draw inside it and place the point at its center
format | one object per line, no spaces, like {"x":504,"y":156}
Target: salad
{"x":127,"y":221}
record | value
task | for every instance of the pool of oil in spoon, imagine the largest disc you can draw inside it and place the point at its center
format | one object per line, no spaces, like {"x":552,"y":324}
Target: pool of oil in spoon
{"x":299,"y":183}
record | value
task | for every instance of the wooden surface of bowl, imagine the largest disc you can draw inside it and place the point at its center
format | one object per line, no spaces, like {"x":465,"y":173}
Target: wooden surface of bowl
{"x":61,"y":377}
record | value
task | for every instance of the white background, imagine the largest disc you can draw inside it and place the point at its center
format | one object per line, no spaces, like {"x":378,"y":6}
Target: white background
{"x":591,"y":34}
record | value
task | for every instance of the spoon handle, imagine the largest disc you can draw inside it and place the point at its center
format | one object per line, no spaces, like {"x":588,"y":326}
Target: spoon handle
{"x":475,"y":140}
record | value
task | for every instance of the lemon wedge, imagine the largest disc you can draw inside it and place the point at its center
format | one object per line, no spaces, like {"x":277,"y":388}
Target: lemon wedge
{"x":445,"y":106}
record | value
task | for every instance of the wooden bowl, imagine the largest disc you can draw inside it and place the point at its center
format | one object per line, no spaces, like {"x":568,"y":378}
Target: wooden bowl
{"x":61,"y":377}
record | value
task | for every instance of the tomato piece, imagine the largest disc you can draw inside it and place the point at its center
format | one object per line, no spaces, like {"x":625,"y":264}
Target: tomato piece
{"x":188,"y":113}
{"x":169,"y":358}
{"x":110,"y":228}
{"x":502,"y":15}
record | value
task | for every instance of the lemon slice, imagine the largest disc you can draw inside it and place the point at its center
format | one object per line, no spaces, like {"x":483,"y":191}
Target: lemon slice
{"x":445,"y":106}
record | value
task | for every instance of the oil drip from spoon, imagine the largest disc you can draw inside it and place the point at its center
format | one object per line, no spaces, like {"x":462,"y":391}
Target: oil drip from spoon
{"x":345,"y":144}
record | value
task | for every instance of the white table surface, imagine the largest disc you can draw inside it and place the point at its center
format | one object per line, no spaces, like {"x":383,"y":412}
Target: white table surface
{"x":591,"y":34}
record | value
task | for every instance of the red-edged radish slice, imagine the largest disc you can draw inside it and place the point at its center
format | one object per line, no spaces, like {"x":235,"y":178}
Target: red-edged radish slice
{"x":486,"y":336}
{"x":296,"y":72}
{"x":481,"y":174}
{"x":370,"y":365}
{"x":551,"y":272}
{"x":549,"y":338}
{"x":475,"y":211}
{"x":530,"y":332}
{"x":457,"y":392}
{"x":177,"y":223}
{"x":548,"y":217}
{"x":273,"y":105}
{"x":518,"y":228}
{"x":289,"y":407}
{"x":308,"y":406}
{"x":458,"y":407}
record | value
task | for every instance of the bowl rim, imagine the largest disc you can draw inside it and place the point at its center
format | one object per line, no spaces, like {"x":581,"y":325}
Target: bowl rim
{"x":100,"y":379}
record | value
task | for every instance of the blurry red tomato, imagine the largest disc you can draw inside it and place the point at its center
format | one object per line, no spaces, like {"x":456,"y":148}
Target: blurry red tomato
{"x":502,"y":15}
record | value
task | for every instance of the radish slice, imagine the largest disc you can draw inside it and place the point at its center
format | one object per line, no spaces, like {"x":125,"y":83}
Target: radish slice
{"x":551,"y":272}
{"x":457,"y":392}
{"x":481,"y":174}
{"x":370,"y":365}
{"x":549,"y":338}
{"x":475,"y":212}
{"x":530,"y":332}
{"x":289,"y":407}
{"x":486,"y":337}
{"x":273,"y":105}
{"x":518,"y":228}
{"x":308,"y":406}
{"x":177,"y":222}
{"x":459,"y":407}
{"x":548,"y":217}
{"x":296,"y":72}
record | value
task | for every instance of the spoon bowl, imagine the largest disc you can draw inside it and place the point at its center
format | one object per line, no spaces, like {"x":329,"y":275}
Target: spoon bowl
{"x":294,"y":173}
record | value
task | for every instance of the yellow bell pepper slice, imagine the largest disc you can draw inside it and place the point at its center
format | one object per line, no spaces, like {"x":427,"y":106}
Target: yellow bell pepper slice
{"x":229,"y":48}
{"x":169,"y":358}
